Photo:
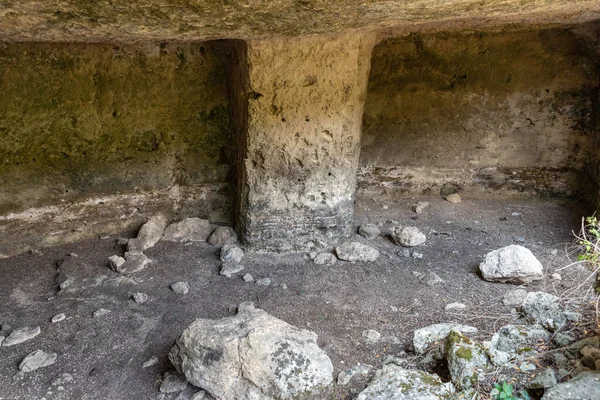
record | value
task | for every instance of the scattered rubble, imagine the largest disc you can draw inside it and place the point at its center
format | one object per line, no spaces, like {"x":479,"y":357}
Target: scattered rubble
{"x":148,"y":235}
{"x":21,"y":335}
{"x":189,"y":230}
{"x":223,"y":235}
{"x":231,"y":253}
{"x":369,"y":231}
{"x":325,"y":259}
{"x":545,"y":309}
{"x":264,"y":357}
{"x":229,"y":269}
{"x":511,"y":264}
{"x":354,"y":251}
{"x":37,"y":359}
{"x":180,"y":287}
{"x":407,"y":236}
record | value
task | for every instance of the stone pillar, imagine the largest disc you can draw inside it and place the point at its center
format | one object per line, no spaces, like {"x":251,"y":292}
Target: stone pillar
{"x":298,"y":106}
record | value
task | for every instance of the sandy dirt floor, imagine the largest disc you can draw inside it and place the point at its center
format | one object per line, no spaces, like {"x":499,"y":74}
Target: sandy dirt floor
{"x":105,"y":355}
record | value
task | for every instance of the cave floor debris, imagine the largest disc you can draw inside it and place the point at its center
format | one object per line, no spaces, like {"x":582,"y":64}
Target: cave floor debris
{"x":105,"y":354}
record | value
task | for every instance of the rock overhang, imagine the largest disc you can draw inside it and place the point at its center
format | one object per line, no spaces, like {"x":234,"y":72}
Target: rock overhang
{"x":189,"y":20}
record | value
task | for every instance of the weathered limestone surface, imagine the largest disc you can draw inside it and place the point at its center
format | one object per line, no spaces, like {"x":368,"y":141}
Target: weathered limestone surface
{"x":300,"y":139}
{"x":89,"y":20}
{"x":508,"y":112}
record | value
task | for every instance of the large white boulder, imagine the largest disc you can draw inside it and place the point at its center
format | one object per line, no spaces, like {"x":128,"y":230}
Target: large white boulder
{"x":512,"y":264}
{"x":251,"y":356}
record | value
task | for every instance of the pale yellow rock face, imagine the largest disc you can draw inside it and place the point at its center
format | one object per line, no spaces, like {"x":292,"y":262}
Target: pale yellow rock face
{"x":93,"y":20}
{"x":303,"y":139}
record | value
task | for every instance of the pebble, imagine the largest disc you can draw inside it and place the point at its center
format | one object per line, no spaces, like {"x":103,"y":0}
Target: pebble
{"x":37,"y":359}
{"x":151,"y":361}
{"x":404,"y":253}
{"x":556,"y":277}
{"x":229,"y":269}
{"x":140,"y":298}
{"x":116,"y":262}
{"x":62,"y":379}
{"x":371,"y":336}
{"x":284,"y":286}
{"x":432,"y":279}
{"x":453,"y":198}
{"x":420,"y":207}
{"x":248,"y":278}
{"x":201,"y":395}
{"x":554,"y":252}
{"x":180,"y":287}
{"x":263,"y":282}
{"x":527,"y":367}
{"x":325,"y":259}
{"x":455,"y":306}
{"x":21,"y":335}
{"x":417,"y":255}
{"x":100,"y":312}
{"x":58,"y":318}
{"x":369,"y":231}
{"x":514,"y":298}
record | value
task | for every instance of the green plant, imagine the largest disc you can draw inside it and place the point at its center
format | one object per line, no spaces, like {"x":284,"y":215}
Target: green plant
{"x":506,"y":391}
{"x":590,"y":240}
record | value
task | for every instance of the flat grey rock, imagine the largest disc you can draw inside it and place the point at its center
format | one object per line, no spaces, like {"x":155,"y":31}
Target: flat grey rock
{"x":355,"y":251}
{"x":21,"y":335}
{"x":511,"y":264}
{"x":37,"y":359}
{"x":585,"y":386}
{"x":407,"y":236}
{"x":346,"y":376}
{"x":514,"y":298}
{"x":189,"y":230}
{"x":263,"y":282}
{"x":371,"y":336}
{"x":544,"y":380}
{"x":230,"y":269}
{"x":545,"y":309}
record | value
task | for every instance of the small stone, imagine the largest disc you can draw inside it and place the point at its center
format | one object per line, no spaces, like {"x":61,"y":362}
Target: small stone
{"x":100,"y":312}
{"x":201,"y":395}
{"x":180,"y":287}
{"x":512,"y":264}
{"x":62,"y":379}
{"x":408,"y":236}
{"x":527,"y":367}
{"x":231,"y":253}
{"x":346,"y":376}
{"x":554,"y":252}
{"x":455,"y":307}
{"x":556,"y":277}
{"x":135,"y":261}
{"x":115,"y":262}
{"x":325,"y":259}
{"x":544,"y":380}
{"x":173,"y":382}
{"x":369,"y":231}
{"x":355,"y":251}
{"x":432,"y":279}
{"x":420,"y":207}
{"x":21,"y":335}
{"x":371,"y":337}
{"x":453,"y":198}
{"x":37,"y":359}
{"x":248,"y":278}
{"x":230,"y":269}
{"x":284,"y":286}
{"x":74,"y":255}
{"x":514,"y":298}
{"x":223,"y":235}
{"x":36,"y":252}
{"x":58,"y":318}
{"x":263,"y":282}
{"x":416,"y":255}
{"x":140,"y":298}
{"x":150,"y":362}
{"x":189,"y":230}
{"x":563,"y":339}
{"x":404,"y":253}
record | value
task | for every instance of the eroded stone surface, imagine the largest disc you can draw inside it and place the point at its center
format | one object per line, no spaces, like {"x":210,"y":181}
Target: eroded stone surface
{"x":300,"y":139}
{"x":251,"y":355}
{"x":37,"y":359}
